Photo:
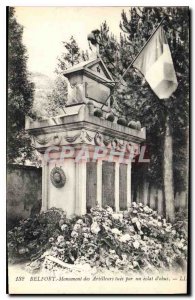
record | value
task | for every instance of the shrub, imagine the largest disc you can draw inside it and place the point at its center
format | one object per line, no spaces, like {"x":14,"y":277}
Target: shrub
{"x":31,"y":238}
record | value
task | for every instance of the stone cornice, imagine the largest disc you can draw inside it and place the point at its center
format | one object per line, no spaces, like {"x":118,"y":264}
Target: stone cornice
{"x":83,"y":120}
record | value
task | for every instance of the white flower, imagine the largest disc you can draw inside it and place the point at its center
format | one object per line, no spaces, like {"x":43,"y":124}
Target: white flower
{"x":124,"y":256}
{"x":85,"y":230}
{"x":76,"y":227}
{"x":51,"y":240}
{"x":95,"y":228}
{"x":112,"y":251}
{"x":125,"y":238}
{"x":116,"y":231}
{"x":134,"y":220}
{"x":138,"y":224}
{"x":119,"y":262}
{"x":159,"y":246}
{"x":74,"y":234}
{"x":180,"y":245}
{"x":109,"y":210}
{"x":137,"y":237}
{"x":107,"y":228}
{"x":117,"y":216}
{"x":136,"y":244}
{"x":22,"y":250}
{"x":147,"y":209}
{"x":85,"y":235}
{"x":131,"y":229}
{"x":63,"y":227}
{"x":60,"y":239}
{"x":168,"y":229}
{"x":135,"y":263}
{"x":80,"y":221}
{"x":150,"y":223}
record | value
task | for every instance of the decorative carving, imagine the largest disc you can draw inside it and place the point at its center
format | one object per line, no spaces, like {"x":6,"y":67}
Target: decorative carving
{"x":42,"y":140}
{"x":98,"y":139}
{"x":72,"y":139}
{"x":122,"y":146}
{"x":129,"y":147}
{"x":83,"y":135}
{"x":58,"y":177}
{"x":114,"y":143}
{"x":56,"y":139}
{"x":107,"y":142}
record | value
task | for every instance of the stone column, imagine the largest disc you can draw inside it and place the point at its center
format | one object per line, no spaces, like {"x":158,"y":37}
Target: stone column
{"x":80,"y":203}
{"x":44,"y":185}
{"x":128,"y":184}
{"x":99,"y":182}
{"x":117,"y":186}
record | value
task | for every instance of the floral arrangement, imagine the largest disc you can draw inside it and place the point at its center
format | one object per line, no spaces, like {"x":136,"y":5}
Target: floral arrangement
{"x":135,"y":240}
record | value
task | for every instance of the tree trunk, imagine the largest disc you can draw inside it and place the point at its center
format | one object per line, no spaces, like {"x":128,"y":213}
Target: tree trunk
{"x":168,"y":171}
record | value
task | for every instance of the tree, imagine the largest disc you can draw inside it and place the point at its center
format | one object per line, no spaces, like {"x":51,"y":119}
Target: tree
{"x":71,"y":56}
{"x":58,"y":96}
{"x":138,"y":29}
{"x":137,"y":101}
{"x":109,"y":50}
{"x":20,"y":94}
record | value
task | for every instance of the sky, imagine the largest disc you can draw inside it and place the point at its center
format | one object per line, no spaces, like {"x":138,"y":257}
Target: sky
{"x":46,"y":27}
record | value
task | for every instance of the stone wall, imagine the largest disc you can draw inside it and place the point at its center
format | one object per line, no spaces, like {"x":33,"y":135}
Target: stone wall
{"x":23,"y":192}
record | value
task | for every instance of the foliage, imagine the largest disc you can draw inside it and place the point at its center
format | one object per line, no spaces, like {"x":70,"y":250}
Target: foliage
{"x":71,"y":56}
{"x":109,"y":50}
{"x":135,"y":240}
{"x":20,"y":93}
{"x":57,"y":97}
{"x":31,"y":238}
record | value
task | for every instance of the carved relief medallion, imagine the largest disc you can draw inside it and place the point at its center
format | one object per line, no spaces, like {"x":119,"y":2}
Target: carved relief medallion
{"x":57,"y":177}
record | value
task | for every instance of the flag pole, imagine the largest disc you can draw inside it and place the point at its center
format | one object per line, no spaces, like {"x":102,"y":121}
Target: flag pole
{"x":134,"y":60}
{"x":142,"y":48}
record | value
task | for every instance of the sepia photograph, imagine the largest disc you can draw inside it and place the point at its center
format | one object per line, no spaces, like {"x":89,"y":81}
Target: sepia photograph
{"x":98,"y":107}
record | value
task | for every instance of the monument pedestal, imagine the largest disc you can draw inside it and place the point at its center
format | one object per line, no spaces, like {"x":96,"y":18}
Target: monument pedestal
{"x":86,"y":155}
{"x":86,"y":160}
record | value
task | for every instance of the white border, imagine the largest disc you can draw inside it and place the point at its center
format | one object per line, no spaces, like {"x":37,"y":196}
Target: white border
{"x":3,"y":5}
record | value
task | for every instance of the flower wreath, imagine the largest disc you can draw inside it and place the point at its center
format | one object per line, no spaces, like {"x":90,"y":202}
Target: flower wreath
{"x":58,"y":177}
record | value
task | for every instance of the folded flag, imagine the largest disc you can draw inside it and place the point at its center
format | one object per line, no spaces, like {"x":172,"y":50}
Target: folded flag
{"x":156,"y":65}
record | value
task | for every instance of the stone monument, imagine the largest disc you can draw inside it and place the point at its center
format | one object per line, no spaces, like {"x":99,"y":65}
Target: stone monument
{"x":86,"y":157}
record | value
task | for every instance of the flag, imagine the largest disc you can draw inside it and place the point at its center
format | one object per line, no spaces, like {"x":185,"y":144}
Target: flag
{"x":156,"y":65}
